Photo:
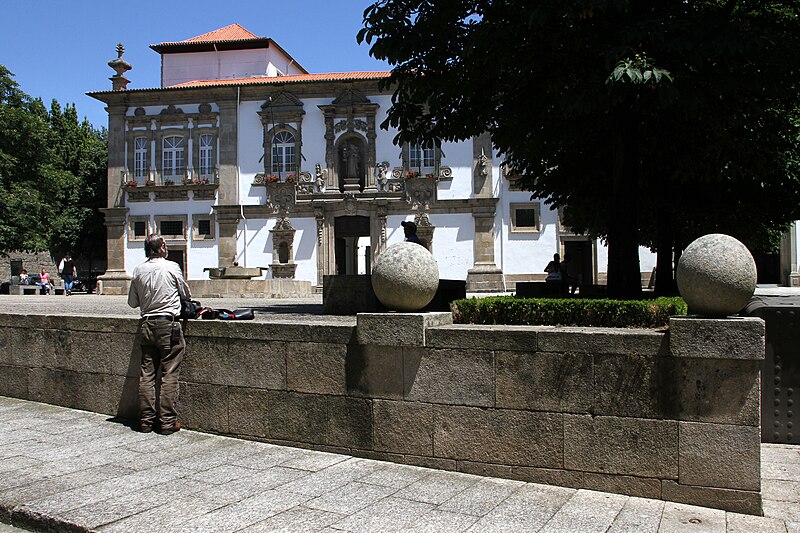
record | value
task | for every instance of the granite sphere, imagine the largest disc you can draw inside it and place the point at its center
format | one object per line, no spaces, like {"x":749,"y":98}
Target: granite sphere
{"x":716,"y":275}
{"x":405,"y":277}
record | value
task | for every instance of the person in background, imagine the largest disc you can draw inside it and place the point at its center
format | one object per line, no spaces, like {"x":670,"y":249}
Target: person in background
{"x":157,"y":289}
{"x":68,"y":273}
{"x":44,"y":281}
{"x":410,"y":231}
{"x":23,"y":278}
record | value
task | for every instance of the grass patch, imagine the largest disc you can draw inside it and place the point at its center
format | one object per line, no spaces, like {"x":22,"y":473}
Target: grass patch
{"x":568,"y":311}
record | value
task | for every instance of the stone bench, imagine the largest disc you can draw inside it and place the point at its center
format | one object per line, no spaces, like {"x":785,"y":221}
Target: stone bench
{"x":25,"y":289}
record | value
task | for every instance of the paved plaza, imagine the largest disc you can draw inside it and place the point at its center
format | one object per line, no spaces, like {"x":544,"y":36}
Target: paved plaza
{"x":69,"y":470}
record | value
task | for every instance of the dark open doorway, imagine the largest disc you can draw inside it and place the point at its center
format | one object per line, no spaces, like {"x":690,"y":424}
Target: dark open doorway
{"x":347,"y":232}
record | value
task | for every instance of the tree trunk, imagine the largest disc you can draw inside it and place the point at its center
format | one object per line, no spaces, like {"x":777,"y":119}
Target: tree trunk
{"x":624,"y":277}
{"x":665,"y":282}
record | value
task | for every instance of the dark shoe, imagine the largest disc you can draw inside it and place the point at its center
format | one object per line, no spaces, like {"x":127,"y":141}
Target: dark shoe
{"x":171,"y":430}
{"x":145,"y":428}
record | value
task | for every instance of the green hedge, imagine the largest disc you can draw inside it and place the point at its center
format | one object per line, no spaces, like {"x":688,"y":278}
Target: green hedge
{"x":567,"y":311}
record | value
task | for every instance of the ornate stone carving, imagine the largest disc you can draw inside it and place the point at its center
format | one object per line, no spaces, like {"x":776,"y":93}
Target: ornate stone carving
{"x":305,"y":183}
{"x":380,"y":175}
{"x":482,"y":163}
{"x":350,"y":125}
{"x":320,"y":178}
{"x":445,"y":173}
{"x":118,"y":81}
{"x":138,"y":196}
{"x":171,"y":110}
{"x":319,"y":216}
{"x":350,"y":203}
{"x":283,"y":223}
{"x":281,"y":197}
{"x":420,"y":192}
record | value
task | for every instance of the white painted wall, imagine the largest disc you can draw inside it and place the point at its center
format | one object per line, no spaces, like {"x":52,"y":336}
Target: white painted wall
{"x":452,"y":241}
{"x":226,"y":64}
{"x":457,"y":156}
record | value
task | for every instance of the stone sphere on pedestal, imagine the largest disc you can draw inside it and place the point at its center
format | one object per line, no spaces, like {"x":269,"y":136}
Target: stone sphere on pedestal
{"x":716,"y":275}
{"x":405,"y":277}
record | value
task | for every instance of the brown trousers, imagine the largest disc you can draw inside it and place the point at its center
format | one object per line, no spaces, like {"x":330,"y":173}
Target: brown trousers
{"x":160,"y":349}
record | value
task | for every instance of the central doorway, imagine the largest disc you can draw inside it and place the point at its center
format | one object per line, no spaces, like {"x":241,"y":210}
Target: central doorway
{"x":352,"y":251}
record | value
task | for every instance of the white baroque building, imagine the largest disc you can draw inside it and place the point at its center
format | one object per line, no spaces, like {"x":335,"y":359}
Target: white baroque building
{"x":243,"y":158}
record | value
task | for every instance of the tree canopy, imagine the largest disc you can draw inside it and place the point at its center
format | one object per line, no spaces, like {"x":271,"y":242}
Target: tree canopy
{"x":52,"y":176}
{"x":646,"y":122}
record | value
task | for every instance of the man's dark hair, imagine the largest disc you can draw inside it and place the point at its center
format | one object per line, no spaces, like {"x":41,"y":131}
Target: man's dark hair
{"x":152,"y":245}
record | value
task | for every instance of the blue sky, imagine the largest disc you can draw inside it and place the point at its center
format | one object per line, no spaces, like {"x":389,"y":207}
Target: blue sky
{"x":60,"y":50}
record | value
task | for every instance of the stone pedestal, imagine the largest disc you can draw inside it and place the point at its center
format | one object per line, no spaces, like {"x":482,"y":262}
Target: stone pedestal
{"x":716,"y":397}
{"x":116,"y":280}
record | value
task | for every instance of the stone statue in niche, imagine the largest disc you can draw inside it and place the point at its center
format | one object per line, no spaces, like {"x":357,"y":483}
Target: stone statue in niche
{"x":351,"y":159}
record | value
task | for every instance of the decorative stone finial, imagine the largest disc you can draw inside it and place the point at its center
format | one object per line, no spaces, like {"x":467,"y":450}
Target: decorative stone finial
{"x":716,"y":275}
{"x":119,"y":82}
{"x":405,"y":277}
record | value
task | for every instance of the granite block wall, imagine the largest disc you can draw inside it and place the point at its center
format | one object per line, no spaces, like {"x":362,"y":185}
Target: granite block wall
{"x":662,"y":414}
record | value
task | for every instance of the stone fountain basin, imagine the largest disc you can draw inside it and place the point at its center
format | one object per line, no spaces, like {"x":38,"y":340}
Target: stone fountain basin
{"x":234,"y":272}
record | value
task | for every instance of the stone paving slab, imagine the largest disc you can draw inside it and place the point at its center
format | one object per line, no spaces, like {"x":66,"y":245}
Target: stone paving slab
{"x":68,"y":470}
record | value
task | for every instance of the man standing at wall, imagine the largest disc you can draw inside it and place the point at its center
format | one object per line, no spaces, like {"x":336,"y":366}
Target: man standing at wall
{"x":157,"y":288}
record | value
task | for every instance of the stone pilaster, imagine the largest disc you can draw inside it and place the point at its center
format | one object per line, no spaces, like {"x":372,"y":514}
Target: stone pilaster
{"x":228,"y":217}
{"x":116,"y":155}
{"x":482,"y":166}
{"x":116,"y":279}
{"x":228,"y":142}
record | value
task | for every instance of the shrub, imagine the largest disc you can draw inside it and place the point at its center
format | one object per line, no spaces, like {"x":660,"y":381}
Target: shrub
{"x":567,"y":312}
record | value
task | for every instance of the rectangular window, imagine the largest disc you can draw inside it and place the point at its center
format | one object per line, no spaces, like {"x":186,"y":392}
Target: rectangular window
{"x":204,"y":227}
{"x":172,"y":227}
{"x":140,"y":229}
{"x":206,"y":157}
{"x":140,"y":159}
{"x":421,"y":157}
{"x":172,"y":158}
{"x":525,"y":217}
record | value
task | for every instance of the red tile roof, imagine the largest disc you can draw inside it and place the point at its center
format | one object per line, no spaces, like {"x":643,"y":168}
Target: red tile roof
{"x":298,"y":78}
{"x":234,"y":32}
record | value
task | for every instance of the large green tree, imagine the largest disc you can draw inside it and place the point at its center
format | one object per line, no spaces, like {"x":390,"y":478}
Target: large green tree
{"x":52,"y":176}
{"x":647,"y":122}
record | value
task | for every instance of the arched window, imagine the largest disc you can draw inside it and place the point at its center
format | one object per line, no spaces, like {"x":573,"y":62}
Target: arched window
{"x":140,"y":158}
{"x":206,"y":154}
{"x":172,"y":160}
{"x":284,"y":158}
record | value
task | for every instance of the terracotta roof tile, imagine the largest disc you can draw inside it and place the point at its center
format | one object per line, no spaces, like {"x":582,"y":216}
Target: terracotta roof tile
{"x":234,"y":32}
{"x":299,"y":78}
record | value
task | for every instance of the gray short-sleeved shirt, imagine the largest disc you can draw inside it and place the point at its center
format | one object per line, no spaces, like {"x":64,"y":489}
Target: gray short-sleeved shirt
{"x":158,"y":287}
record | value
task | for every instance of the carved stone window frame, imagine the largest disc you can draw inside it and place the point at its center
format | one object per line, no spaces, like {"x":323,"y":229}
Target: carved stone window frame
{"x":282,"y":112}
{"x":269,"y":137}
{"x":196,"y":235}
{"x":132,"y":220}
{"x":517,"y":206}
{"x":205,"y":124}
{"x":171,"y":218}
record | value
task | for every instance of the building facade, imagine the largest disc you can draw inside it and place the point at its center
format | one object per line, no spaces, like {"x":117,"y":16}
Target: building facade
{"x":243,"y":158}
